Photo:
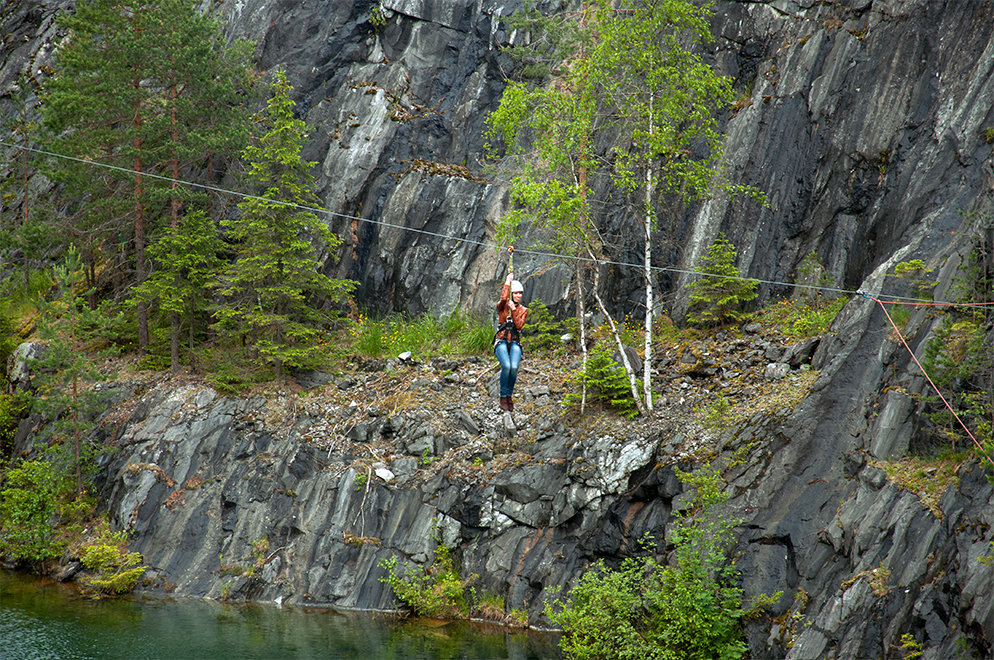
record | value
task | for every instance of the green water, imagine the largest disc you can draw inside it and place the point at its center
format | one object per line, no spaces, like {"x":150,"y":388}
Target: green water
{"x":52,"y":621}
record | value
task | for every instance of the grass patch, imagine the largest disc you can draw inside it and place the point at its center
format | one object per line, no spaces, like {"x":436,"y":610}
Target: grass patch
{"x":801,"y":318}
{"x":424,"y":336}
{"x":926,"y":478}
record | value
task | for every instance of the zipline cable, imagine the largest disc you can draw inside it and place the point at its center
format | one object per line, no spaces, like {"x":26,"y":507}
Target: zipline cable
{"x":470,"y":241}
{"x":895,"y":300}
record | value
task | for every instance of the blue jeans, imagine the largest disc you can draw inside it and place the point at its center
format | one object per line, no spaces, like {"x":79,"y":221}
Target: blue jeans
{"x":509,"y":356}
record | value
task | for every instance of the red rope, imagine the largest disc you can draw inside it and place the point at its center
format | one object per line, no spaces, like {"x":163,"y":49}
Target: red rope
{"x":925,"y":373}
{"x":918,"y":303}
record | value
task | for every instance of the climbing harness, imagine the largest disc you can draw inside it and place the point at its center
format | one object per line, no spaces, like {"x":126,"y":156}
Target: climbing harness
{"x":507,"y":331}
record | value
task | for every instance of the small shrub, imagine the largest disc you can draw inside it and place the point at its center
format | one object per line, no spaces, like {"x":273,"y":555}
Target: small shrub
{"x":492,"y":608}
{"x":606,"y":384}
{"x":436,"y":592}
{"x":916,"y":274}
{"x":377,"y":17}
{"x":230,"y":369}
{"x":542,"y":332}
{"x":717,"y":414}
{"x":910,"y":647}
{"x":800,"y":318}
{"x":114,"y":570}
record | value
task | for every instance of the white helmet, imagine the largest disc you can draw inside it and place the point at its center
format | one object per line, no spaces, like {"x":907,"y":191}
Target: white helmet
{"x":516,"y":286}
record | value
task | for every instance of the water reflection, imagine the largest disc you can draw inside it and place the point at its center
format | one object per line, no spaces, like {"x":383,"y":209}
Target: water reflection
{"x":52,"y":621}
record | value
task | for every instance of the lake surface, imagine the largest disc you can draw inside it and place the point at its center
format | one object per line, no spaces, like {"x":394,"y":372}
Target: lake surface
{"x":49,"y":620}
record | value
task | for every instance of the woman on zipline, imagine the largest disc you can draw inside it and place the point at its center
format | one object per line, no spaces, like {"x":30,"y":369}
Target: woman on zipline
{"x":507,"y":342}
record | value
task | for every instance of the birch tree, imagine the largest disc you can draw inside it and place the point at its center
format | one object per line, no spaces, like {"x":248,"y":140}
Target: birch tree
{"x":645,"y":94}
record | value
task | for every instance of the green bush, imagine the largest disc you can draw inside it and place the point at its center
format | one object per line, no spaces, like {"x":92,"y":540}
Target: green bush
{"x":917,"y":275}
{"x":607,"y":384}
{"x":38,"y":512}
{"x":960,"y":356}
{"x":959,"y":360}
{"x":801,"y":317}
{"x":716,"y":298}
{"x":689,"y":608}
{"x":436,"y":592}
{"x":113,"y":570}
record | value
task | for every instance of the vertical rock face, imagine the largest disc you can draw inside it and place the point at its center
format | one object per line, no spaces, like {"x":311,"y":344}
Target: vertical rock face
{"x":864,"y":125}
{"x":397,"y":94}
{"x":864,"y":121}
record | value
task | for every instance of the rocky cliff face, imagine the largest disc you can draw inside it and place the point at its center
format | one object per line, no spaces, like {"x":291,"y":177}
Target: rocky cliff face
{"x":862,"y":120}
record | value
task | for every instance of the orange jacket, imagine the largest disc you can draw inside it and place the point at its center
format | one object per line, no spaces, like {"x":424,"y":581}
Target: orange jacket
{"x":503,"y":310}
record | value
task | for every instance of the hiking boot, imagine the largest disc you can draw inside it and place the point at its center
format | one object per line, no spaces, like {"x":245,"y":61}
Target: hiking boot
{"x":504,"y":403}
{"x":510,"y":405}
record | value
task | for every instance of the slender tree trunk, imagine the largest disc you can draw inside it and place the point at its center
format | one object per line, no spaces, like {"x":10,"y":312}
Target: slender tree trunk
{"x":174,"y":208}
{"x":629,"y":371}
{"x":175,"y":329}
{"x":142,"y":308}
{"x":191,"y":318}
{"x":647,"y":359}
{"x":25,"y":216}
{"x":581,"y":315}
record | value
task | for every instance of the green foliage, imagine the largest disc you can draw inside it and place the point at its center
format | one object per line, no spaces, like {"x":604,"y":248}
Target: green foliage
{"x":188,"y":263}
{"x":436,"y":592}
{"x":112,"y":569}
{"x":688,"y":608}
{"x":801,"y":317}
{"x":606,"y":383}
{"x":274,"y":289}
{"x":152,"y":88}
{"x":230,"y":369}
{"x":64,"y":375}
{"x":12,"y":409}
{"x":543,"y":331}
{"x":916,"y":273}
{"x":910,"y":647}
{"x":812,"y":273}
{"x":38,"y":512}
{"x":377,"y":16}
{"x":960,"y":361}
{"x":8,"y":342}
{"x":424,"y":336}
{"x":716,"y":298}
{"x":717,"y":414}
{"x":960,"y":356}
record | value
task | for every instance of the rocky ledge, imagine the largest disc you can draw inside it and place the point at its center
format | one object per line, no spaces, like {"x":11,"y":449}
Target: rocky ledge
{"x":295,"y":493}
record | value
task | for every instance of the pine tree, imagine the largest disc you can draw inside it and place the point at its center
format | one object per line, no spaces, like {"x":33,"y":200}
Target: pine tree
{"x":272,"y":288}
{"x":717,"y":296}
{"x":203,"y":85}
{"x":148,"y":88}
{"x":23,"y":230}
{"x":187,"y":264}
{"x":96,"y":108}
{"x":65,"y":372}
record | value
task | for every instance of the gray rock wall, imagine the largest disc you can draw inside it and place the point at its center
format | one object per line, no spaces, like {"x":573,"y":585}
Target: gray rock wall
{"x":863,"y":121}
